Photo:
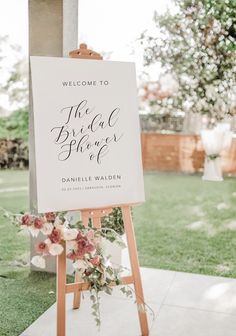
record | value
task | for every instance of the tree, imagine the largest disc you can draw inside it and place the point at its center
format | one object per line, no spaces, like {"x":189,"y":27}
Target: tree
{"x":15,"y":126}
{"x":14,"y":76}
{"x":14,"y":90}
{"x":196,"y":45}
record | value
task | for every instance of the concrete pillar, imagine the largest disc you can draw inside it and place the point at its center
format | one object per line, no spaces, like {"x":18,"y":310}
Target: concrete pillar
{"x":53,"y":27}
{"x":53,"y":31}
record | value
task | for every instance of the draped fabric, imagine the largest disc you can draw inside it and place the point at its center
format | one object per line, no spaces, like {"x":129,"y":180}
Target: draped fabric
{"x":214,"y":142}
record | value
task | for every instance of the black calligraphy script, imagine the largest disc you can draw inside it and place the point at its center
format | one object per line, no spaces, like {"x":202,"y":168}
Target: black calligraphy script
{"x":81,"y":132}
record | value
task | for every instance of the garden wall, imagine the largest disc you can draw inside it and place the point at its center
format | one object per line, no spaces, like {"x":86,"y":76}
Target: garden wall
{"x":181,"y":153}
{"x":163,"y":152}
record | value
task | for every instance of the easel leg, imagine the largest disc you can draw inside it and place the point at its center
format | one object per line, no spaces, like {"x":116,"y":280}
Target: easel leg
{"x":129,"y":229}
{"x":77,"y":294}
{"x":61,"y":294}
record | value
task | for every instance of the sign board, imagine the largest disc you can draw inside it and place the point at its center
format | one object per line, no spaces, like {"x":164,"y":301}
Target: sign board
{"x":86,"y":134}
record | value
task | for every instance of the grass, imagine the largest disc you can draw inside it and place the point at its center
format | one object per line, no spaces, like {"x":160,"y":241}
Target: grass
{"x":185,"y":225}
{"x":23,"y":295}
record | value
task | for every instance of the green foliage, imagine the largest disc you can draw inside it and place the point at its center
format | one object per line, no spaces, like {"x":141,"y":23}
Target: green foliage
{"x":16,"y":85}
{"x":114,"y":221}
{"x":15,"y":126}
{"x":196,"y":44}
{"x":112,"y":224}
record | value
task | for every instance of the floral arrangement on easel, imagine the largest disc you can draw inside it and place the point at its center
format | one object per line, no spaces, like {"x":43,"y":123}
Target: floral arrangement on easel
{"x":84,"y":246}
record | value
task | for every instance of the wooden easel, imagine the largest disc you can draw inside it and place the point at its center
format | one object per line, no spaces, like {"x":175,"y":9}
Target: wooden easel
{"x":95,"y":215}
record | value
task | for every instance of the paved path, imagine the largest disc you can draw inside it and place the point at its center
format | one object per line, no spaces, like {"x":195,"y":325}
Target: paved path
{"x":13,"y":189}
{"x":185,"y":305}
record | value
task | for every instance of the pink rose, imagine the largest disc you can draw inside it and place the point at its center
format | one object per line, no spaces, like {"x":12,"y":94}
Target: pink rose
{"x":83,"y":245}
{"x":42,"y":247}
{"x":38,"y":223}
{"x":55,"y":236}
{"x":90,"y":235}
{"x":95,"y":261}
{"x":50,"y":216}
{"x":87,"y":273}
{"x":72,"y":256}
{"x":26,"y":220}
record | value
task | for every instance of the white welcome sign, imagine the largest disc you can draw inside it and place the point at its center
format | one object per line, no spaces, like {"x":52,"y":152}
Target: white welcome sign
{"x":86,"y":134}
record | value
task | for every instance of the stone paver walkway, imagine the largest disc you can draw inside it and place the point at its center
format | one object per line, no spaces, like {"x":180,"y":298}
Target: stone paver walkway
{"x":185,"y":305}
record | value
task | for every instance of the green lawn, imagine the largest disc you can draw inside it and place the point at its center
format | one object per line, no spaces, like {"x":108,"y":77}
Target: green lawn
{"x":23,"y":296}
{"x":185,"y":225}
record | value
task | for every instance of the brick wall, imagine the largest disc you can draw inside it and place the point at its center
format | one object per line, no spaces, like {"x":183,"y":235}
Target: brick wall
{"x":163,"y":152}
{"x":180,"y":152}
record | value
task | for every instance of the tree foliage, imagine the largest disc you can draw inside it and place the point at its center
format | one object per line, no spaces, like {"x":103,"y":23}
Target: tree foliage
{"x":15,"y":126}
{"x":14,"y":87}
{"x":196,"y":44}
{"x":14,"y":76}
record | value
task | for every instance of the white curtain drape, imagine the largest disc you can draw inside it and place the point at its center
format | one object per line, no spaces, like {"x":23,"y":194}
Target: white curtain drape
{"x":214,"y":142}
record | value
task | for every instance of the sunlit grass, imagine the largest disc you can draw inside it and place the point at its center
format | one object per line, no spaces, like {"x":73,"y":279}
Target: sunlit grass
{"x":187,"y":224}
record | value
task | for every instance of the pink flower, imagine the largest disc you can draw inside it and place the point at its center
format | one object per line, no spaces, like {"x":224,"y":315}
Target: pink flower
{"x":87,"y":273}
{"x":42,"y":247}
{"x":95,"y":261}
{"x":72,"y":256}
{"x":26,"y":219}
{"x":38,"y":223}
{"x":55,"y":236}
{"x":50,"y":216}
{"x":83,"y":246}
{"x":90,"y":235}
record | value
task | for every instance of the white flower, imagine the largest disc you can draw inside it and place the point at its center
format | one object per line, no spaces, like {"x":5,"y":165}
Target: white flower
{"x":38,"y":261}
{"x":210,"y":91}
{"x":108,"y":263}
{"x":55,"y":249}
{"x":34,"y":231}
{"x":66,"y":223}
{"x":71,"y":245}
{"x":168,"y":84}
{"x":70,"y":234}
{"x":47,"y":229}
{"x":80,"y":264}
{"x":58,"y":222}
{"x":48,"y":242}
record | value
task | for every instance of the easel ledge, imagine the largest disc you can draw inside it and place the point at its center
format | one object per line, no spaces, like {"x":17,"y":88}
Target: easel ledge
{"x":96,"y":215}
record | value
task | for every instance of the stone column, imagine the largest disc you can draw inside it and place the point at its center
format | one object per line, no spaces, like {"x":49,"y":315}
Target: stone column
{"x":53,"y":31}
